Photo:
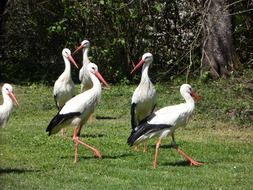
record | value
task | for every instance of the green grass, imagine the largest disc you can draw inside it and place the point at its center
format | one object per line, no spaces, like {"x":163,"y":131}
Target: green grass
{"x":219,"y":134}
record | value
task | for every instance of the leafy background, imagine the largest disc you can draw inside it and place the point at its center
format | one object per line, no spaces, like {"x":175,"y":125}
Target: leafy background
{"x":33,"y":33}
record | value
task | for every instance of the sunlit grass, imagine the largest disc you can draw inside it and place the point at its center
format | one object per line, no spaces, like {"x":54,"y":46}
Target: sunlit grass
{"x":219,"y":134}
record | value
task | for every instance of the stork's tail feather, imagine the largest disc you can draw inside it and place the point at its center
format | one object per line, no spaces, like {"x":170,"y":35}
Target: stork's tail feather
{"x":54,"y":125}
{"x":131,"y":139}
{"x":141,"y":132}
{"x":136,"y":133}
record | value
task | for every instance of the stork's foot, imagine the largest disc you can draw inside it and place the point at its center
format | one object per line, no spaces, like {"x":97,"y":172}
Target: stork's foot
{"x":94,"y":150}
{"x":192,"y":162}
{"x":97,"y":154}
{"x":196,"y":163}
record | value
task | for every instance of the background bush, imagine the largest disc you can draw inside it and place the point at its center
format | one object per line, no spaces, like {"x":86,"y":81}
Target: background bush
{"x":33,"y":34}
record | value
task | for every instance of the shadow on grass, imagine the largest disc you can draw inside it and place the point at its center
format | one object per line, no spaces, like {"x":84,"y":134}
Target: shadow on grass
{"x":92,"y":135}
{"x":178,"y":163}
{"x":105,"y":117}
{"x":80,"y":157}
{"x":165,"y":146}
{"x":16,"y":170}
{"x":117,"y":156}
{"x":182,"y":163}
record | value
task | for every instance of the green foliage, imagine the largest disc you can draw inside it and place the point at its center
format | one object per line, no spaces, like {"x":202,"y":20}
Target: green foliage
{"x":35,"y":32}
{"x":244,"y":32}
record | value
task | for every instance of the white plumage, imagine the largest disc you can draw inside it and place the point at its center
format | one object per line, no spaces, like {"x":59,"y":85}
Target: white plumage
{"x":77,"y":110}
{"x":84,"y":76}
{"x":144,"y":96}
{"x":165,"y":121}
{"x":64,"y":87}
{"x":7,"y":106}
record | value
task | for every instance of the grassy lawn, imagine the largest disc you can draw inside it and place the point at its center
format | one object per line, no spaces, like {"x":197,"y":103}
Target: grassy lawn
{"x":219,"y":134}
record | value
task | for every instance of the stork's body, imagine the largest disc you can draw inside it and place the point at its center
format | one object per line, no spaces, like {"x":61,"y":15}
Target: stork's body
{"x":144,"y":96}
{"x":165,"y":121}
{"x":84,"y":75}
{"x":64,"y":87}
{"x":7,"y":106}
{"x":77,"y":110}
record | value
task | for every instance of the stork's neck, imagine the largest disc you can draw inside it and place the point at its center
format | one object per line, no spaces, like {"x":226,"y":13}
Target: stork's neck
{"x":144,"y":75}
{"x":85,"y":56}
{"x":96,"y":88}
{"x":7,"y":102}
{"x":189,"y":102}
{"x":67,"y":70}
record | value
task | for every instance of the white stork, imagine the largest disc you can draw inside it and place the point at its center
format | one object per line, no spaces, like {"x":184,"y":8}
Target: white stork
{"x":84,"y":75}
{"x":144,"y":96}
{"x":64,"y":87}
{"x":77,"y":110}
{"x":165,"y":121}
{"x":7,"y":106}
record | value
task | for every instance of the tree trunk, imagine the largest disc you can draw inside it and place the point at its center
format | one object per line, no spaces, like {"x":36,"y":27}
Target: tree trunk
{"x":218,"y":51}
{"x":3,"y":4}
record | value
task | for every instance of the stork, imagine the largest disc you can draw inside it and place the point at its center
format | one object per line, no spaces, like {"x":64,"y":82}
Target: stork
{"x":7,"y":106}
{"x":84,"y":76}
{"x":165,"y":121}
{"x":64,"y":87}
{"x":77,"y":110}
{"x":144,"y":96}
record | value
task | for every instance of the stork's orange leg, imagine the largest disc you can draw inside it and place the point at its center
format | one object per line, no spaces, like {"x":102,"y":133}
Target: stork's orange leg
{"x":192,"y":162}
{"x":145,"y":147}
{"x":77,"y":141}
{"x":156,"y":152}
{"x":76,"y":152}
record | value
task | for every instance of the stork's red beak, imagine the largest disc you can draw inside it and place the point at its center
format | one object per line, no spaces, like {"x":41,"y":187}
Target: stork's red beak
{"x":195,"y":96}
{"x":137,"y":67}
{"x":99,"y":76}
{"x":12,"y":96}
{"x":70,"y":58}
{"x":78,"y":49}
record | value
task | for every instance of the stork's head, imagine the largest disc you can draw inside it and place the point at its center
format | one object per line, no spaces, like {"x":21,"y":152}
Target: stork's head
{"x":188,"y":93}
{"x":84,"y":44}
{"x":7,"y":89}
{"x":67,"y":54}
{"x":93,"y":69}
{"x":147,"y":58}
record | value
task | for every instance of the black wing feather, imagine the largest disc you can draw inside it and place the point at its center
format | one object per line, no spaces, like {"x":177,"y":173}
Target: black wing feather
{"x":133,"y":123}
{"x":58,"y":119}
{"x":143,"y":129}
